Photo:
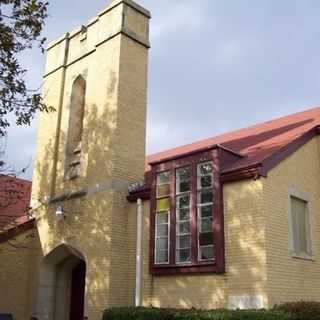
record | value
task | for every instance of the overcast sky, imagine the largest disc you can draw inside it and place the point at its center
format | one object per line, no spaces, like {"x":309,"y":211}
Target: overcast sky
{"x":215,"y":65}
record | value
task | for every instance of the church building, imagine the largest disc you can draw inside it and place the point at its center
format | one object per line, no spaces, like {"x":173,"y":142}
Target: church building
{"x":232,"y":221}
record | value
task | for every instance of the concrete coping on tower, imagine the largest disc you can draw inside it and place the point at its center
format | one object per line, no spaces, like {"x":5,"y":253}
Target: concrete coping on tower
{"x":57,"y":41}
{"x":95,"y":19}
{"x":129,"y":3}
{"x":79,"y":30}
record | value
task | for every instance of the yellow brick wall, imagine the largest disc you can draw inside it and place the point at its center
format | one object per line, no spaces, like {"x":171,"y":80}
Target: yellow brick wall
{"x":17,"y":273}
{"x":245,"y":257}
{"x":245,"y":239}
{"x":291,"y":279}
{"x":102,"y":225}
{"x":258,"y":259}
{"x":113,"y":149}
{"x":102,"y":238}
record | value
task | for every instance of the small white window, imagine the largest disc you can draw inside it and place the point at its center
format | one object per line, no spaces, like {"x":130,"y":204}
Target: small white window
{"x":301,"y":245}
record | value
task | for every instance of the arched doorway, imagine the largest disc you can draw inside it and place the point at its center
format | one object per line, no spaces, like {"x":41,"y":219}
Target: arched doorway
{"x":62,"y":285}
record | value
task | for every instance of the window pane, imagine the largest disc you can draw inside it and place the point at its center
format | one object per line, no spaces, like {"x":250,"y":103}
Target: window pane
{"x":183,"y":255}
{"x":162,"y":237}
{"x":162,"y":244}
{"x":183,"y":201}
{"x":205,"y":168}
{"x":183,"y":239}
{"x":184,"y":227}
{"x":205,"y":197}
{"x":183,"y":183}
{"x":163,"y":190}
{"x":162,"y":256}
{"x":183,"y":242}
{"x":206,"y":182}
{"x":300,"y":230}
{"x":183,"y":214}
{"x":162,"y":230}
{"x":183,"y":186}
{"x":206,"y":253}
{"x":163,"y":178}
{"x":162,"y":218}
{"x":205,"y":239}
{"x":205,"y":211}
{"x":206,"y":225}
{"x":183,"y":174}
{"x":295,"y":230}
{"x":163,"y":204}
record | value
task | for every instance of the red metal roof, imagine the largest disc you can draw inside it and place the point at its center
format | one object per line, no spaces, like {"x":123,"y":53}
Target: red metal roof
{"x":261,"y":144}
{"x":15,"y":197}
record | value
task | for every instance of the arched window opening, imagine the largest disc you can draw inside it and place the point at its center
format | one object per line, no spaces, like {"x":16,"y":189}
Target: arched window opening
{"x":77,"y":107}
{"x":76,"y":114}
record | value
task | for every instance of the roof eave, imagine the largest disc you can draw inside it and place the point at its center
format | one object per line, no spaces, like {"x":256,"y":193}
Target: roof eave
{"x":17,"y":230}
{"x":262,"y":169}
{"x":251,"y":172}
{"x":272,"y":161}
{"x":143,"y":194}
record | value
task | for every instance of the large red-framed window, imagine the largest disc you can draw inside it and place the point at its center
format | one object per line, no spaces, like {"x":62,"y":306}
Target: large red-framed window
{"x":187,"y":216}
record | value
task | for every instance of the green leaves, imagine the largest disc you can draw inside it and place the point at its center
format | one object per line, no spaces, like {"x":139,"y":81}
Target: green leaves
{"x":21,"y":23}
{"x":303,"y":310}
{"x":193,"y":314}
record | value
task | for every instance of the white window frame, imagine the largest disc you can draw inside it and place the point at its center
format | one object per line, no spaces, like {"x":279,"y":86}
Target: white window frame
{"x":159,"y":237}
{"x":294,"y":193}
{"x":178,"y":221}
{"x":168,"y":212}
{"x":203,"y":205}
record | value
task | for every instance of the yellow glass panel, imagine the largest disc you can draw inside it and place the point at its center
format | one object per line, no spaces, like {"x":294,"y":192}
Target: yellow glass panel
{"x":163,"y":205}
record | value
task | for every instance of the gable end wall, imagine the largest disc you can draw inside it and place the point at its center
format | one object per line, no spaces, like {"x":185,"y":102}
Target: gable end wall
{"x":292,"y":279}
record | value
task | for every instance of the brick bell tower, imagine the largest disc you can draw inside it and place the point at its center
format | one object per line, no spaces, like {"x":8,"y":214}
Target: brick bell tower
{"x":88,"y":152}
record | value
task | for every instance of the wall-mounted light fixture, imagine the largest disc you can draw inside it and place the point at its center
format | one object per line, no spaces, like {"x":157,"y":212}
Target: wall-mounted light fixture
{"x":60,"y":212}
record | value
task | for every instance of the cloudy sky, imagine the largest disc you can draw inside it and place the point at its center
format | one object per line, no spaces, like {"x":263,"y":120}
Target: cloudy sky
{"x":215,"y":65}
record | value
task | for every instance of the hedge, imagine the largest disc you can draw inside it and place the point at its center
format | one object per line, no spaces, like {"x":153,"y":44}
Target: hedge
{"x":193,"y":314}
{"x":303,"y":310}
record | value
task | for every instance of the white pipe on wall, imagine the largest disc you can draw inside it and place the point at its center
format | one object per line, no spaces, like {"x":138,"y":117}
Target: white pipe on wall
{"x":139,"y":252}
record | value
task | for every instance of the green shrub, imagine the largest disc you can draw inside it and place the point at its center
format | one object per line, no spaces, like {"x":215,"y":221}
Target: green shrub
{"x":192,"y":314}
{"x":304,"y":310}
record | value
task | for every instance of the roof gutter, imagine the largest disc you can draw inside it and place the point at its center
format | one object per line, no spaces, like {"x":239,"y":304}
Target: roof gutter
{"x":251,"y":172}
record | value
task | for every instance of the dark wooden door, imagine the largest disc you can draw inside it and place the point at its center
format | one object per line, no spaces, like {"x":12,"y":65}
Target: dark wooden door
{"x":77,"y":291}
